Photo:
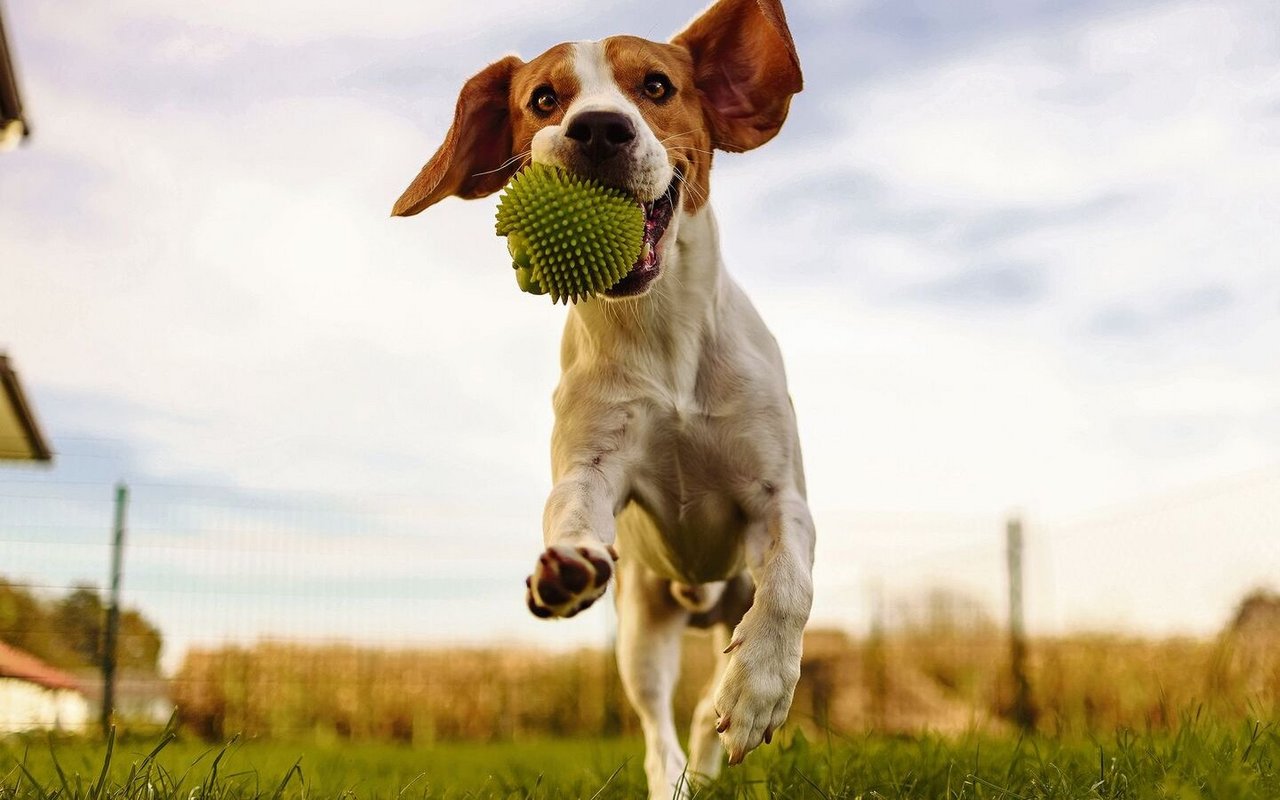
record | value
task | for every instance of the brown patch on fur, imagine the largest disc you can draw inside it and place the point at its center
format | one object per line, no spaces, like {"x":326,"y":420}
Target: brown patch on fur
{"x":553,"y":68}
{"x":746,"y":66}
{"x":492,"y":122}
{"x":470,"y":161}
{"x":679,"y":120}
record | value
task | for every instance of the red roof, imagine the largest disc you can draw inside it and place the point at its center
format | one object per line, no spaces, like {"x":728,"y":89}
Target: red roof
{"x":20,"y":664}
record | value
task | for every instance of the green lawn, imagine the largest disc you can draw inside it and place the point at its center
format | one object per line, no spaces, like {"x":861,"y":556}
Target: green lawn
{"x":1197,"y":762}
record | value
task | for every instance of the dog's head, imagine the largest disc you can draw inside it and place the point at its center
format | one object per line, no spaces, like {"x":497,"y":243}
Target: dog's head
{"x":643,"y":116}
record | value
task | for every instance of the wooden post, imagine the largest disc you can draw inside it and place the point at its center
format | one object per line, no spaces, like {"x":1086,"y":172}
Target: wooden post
{"x":111,"y":637}
{"x":1024,"y":712}
{"x":877,"y":661}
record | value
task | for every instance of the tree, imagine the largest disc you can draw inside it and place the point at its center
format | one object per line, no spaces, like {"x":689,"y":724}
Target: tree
{"x":68,"y":632}
{"x":140,"y":643}
{"x":80,"y":617}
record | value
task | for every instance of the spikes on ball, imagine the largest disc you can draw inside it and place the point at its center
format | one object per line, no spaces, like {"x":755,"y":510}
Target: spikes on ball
{"x":569,"y":236}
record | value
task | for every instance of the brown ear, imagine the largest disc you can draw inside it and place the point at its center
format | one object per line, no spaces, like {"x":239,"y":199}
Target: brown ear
{"x":472,"y":162}
{"x":746,"y":67}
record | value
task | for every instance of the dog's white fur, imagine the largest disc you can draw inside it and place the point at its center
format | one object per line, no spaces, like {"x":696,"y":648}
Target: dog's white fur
{"x":675,"y":441}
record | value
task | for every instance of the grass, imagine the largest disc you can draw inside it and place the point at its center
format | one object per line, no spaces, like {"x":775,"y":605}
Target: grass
{"x":1195,"y":761}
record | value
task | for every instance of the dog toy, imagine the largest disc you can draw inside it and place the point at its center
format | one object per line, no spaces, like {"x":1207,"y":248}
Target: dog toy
{"x":569,"y":236}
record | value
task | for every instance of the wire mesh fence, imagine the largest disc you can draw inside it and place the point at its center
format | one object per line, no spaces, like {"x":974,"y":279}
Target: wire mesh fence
{"x":385,"y":617}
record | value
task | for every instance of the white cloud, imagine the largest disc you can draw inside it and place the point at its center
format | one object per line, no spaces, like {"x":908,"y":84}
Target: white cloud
{"x":235,"y":278}
{"x":294,"y":21}
{"x":250,"y":276}
{"x":1127,"y":162}
{"x":1043,"y":121}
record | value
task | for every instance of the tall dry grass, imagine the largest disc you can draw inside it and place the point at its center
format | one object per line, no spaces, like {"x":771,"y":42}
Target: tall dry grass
{"x":946,"y":681}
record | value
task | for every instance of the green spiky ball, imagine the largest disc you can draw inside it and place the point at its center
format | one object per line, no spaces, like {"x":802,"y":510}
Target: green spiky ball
{"x":569,"y":236}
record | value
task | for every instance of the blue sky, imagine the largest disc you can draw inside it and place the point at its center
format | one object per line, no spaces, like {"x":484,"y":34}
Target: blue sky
{"x":1019,"y":255}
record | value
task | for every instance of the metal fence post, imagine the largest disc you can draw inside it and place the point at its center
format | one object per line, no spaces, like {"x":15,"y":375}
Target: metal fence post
{"x":112,"y":634}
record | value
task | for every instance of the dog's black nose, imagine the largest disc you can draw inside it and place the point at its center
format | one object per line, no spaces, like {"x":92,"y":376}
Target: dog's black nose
{"x":601,"y":134}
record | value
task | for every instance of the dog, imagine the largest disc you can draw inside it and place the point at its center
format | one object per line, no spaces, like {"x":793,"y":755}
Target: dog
{"x":675,"y":457}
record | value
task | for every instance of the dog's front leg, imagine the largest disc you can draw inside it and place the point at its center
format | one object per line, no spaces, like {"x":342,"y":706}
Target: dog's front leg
{"x":755,"y":693}
{"x":578,"y":530}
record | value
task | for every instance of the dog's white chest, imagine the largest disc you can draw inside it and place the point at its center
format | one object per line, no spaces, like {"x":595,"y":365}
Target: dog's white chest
{"x":695,"y":526}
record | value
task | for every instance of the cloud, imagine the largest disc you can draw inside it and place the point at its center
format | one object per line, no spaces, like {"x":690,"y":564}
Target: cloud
{"x":1016,"y":255}
{"x":995,"y":285}
{"x":1182,"y":310}
{"x":292,"y":22}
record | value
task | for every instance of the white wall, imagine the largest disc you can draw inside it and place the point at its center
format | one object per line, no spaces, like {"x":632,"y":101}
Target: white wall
{"x":24,"y":706}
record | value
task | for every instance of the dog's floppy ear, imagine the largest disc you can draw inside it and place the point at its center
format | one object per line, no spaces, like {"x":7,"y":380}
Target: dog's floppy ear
{"x":472,"y":162}
{"x":746,"y":67}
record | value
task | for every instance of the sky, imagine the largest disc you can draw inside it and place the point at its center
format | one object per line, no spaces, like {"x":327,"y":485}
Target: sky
{"x":1020,"y":257}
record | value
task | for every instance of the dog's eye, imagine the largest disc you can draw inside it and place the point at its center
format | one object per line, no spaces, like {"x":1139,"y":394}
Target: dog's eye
{"x":657,"y":86}
{"x":544,"y":100}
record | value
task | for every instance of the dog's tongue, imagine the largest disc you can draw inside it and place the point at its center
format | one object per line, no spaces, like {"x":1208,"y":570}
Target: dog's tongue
{"x":657,"y":216}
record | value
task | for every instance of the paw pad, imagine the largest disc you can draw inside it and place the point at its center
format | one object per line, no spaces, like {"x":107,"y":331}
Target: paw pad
{"x":568,"y":580}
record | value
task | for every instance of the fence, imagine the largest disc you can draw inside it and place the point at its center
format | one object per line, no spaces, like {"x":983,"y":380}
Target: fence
{"x":380,"y":617}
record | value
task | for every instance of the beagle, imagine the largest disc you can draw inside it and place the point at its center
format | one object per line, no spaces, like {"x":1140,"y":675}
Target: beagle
{"x":675,"y":458}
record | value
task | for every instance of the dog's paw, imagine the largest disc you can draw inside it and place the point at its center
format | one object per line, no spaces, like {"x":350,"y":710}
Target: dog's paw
{"x":755,"y":693}
{"x":567,"y":579}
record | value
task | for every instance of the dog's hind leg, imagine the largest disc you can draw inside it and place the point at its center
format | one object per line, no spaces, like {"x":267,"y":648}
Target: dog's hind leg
{"x":650,"y":625}
{"x":706,"y":754}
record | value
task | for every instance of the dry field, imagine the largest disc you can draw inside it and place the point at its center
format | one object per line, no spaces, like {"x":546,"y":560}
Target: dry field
{"x":944,"y":682}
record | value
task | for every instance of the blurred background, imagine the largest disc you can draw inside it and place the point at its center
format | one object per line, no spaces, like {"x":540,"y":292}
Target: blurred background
{"x":1020,"y":258}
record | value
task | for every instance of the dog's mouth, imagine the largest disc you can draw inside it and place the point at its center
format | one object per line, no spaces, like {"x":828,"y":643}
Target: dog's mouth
{"x":657,"y":216}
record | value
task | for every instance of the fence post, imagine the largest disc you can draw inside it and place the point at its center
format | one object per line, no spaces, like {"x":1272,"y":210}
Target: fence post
{"x":109,"y":644}
{"x":1024,"y":712}
{"x":877,"y":659}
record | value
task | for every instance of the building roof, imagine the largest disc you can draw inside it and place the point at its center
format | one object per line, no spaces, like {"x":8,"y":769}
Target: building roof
{"x":13,"y":124}
{"x":20,"y":664}
{"x":20,"y":436}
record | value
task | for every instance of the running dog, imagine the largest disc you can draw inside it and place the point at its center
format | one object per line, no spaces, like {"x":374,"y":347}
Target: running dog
{"x":675,"y":457}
